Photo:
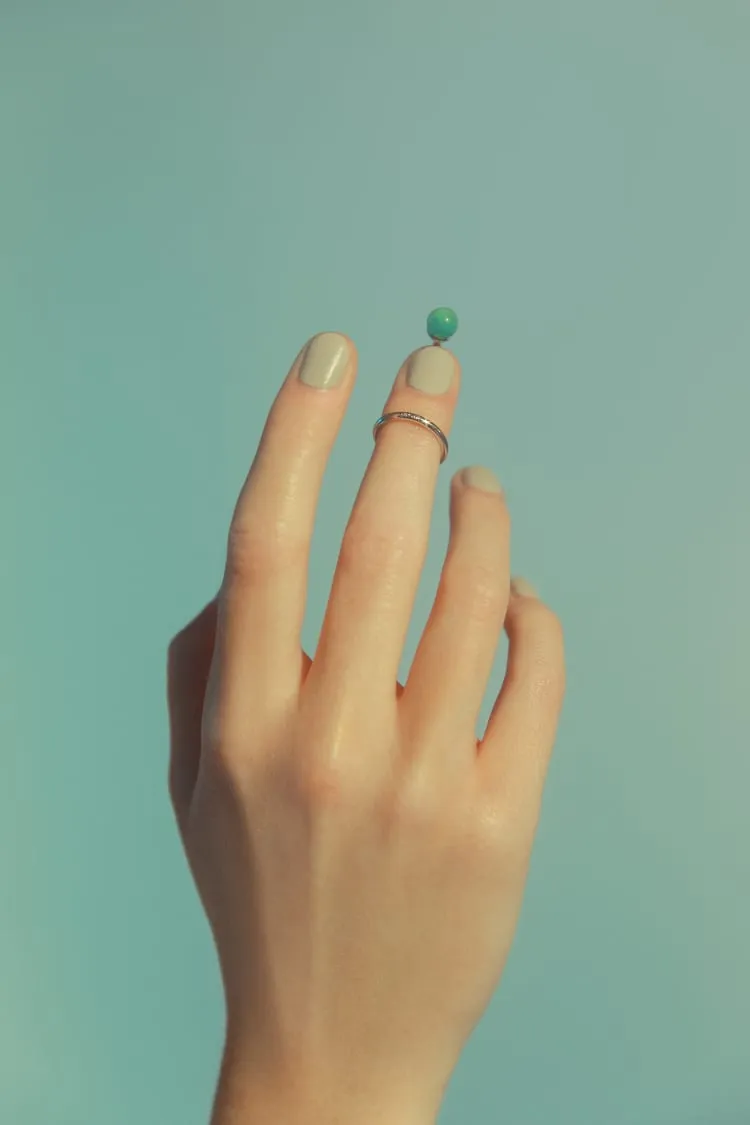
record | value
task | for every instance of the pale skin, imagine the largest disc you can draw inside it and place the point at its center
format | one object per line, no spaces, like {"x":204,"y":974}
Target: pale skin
{"x":360,"y":851}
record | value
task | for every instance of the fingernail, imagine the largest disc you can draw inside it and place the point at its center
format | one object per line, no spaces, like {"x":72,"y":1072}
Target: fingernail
{"x":477,"y":476}
{"x":523,"y":588}
{"x":431,"y":369}
{"x":325,"y":359}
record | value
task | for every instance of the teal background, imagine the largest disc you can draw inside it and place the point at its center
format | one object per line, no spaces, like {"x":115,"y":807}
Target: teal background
{"x":187,"y":193}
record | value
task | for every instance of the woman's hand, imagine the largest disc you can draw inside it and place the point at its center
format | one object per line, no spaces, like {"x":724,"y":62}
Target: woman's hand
{"x":360,"y":854}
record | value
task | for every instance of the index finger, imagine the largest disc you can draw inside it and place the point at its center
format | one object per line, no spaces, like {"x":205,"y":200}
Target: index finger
{"x":262,"y":599}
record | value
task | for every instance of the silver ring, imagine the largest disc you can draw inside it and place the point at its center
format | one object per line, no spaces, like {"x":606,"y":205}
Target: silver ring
{"x":409,"y":417}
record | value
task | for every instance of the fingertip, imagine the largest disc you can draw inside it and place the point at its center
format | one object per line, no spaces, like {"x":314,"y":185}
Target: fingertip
{"x":479,"y":476}
{"x":326,"y":360}
{"x":432,"y":369}
{"x":520,"y":587}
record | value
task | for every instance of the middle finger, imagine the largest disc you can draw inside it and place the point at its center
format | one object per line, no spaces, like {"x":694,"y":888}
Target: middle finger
{"x":386,"y":538}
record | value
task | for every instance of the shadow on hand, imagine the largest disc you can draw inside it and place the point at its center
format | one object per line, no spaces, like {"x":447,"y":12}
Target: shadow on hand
{"x":188,"y":664}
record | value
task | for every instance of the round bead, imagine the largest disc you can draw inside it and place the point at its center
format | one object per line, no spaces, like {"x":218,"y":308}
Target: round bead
{"x":441,"y":324}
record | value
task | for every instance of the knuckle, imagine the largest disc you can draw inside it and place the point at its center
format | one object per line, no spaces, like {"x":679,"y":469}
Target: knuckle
{"x":421,"y":803}
{"x":485,"y":602}
{"x":324,"y":785}
{"x":369,"y":551}
{"x":504,"y":833}
{"x":478,"y":591}
{"x":231,"y":772}
{"x":219,"y":742}
{"x":545,"y":662}
{"x":224,"y":755}
{"x":547,"y":679}
{"x":416,"y":807}
{"x":418,"y":816}
{"x":257,"y":554}
{"x":488,"y":828}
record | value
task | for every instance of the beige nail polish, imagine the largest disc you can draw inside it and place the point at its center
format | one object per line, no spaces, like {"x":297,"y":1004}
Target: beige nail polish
{"x":523,"y":588}
{"x":325,"y":359}
{"x":477,"y":476}
{"x":431,"y":369}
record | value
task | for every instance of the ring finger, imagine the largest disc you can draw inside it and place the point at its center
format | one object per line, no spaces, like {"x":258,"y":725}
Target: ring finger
{"x":452,"y":665}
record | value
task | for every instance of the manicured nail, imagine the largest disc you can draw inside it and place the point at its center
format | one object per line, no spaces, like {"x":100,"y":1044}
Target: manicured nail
{"x":477,"y":476}
{"x":325,"y":359}
{"x":523,"y":588}
{"x":431,"y":370}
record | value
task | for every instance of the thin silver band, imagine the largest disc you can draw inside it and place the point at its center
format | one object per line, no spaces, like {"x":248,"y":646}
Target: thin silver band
{"x":409,"y":417}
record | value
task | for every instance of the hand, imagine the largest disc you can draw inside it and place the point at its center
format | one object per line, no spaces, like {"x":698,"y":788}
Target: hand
{"x":360,"y":854}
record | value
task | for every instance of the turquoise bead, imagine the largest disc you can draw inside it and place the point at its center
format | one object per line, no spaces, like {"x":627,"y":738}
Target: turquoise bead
{"x":442,"y":323}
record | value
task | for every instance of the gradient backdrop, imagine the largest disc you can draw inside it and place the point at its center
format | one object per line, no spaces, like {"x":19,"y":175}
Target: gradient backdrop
{"x":187,"y":192}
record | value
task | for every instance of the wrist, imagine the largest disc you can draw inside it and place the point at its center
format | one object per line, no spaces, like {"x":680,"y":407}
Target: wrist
{"x":244,"y":1097}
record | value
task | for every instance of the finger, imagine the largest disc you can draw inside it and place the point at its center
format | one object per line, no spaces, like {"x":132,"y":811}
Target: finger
{"x":188,"y":661}
{"x":385,"y":541}
{"x":262,"y":599}
{"x":515,"y":752}
{"x":454,"y":658}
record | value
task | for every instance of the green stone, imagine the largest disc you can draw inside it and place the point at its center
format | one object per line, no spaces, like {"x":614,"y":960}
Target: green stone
{"x":441,"y":324}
